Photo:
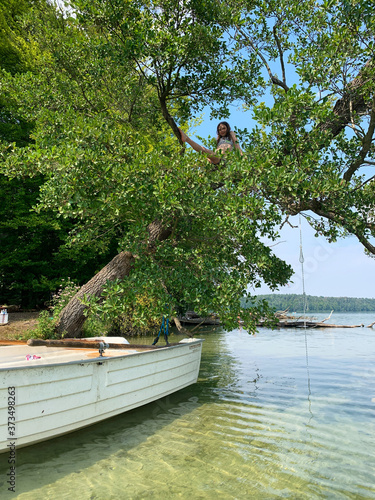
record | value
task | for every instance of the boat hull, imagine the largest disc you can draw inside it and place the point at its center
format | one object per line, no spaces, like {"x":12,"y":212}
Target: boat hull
{"x":51,"y":399}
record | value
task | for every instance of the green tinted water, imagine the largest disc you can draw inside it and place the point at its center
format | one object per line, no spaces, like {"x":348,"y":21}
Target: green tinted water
{"x":264,"y":421}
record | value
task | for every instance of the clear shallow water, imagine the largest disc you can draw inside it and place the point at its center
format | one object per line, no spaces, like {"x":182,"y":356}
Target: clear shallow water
{"x":264,"y":421}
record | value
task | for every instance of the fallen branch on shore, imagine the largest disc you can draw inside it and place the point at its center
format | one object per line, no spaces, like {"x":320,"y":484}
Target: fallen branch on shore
{"x":311,"y":324}
{"x":284,"y":319}
{"x":191,"y":318}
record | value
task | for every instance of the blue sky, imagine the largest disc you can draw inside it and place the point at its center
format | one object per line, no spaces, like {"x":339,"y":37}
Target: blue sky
{"x":330,"y":269}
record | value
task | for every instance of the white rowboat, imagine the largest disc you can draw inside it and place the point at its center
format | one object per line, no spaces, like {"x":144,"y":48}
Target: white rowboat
{"x":49,"y":391}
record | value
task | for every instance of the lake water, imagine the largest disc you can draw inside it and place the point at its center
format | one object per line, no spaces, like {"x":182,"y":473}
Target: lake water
{"x":282,"y":414}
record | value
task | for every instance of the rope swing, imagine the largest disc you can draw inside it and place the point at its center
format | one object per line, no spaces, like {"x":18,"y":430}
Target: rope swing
{"x":302,"y":260}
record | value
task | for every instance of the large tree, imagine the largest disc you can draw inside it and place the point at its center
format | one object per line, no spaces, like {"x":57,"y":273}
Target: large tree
{"x":112,"y":81}
{"x":315,"y":138}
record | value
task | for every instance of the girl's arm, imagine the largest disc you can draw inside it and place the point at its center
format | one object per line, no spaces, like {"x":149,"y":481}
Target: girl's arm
{"x":200,"y":149}
{"x":235,"y":142}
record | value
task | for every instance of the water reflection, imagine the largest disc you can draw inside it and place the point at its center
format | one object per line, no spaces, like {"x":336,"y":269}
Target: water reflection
{"x":250,"y":428}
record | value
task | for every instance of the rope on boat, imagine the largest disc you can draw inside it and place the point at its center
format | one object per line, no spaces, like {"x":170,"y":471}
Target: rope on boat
{"x":165,"y":326}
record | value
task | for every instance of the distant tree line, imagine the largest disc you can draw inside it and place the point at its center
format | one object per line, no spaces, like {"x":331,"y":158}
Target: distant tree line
{"x":295,"y":303}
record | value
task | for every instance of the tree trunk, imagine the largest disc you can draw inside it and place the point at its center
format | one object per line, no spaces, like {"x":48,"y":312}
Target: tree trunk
{"x":71,"y":318}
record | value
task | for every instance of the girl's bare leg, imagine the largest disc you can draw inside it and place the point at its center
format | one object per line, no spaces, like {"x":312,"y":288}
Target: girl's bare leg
{"x":200,"y":149}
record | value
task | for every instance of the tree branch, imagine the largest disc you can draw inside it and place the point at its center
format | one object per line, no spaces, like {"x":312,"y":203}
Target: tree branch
{"x":169,"y":119}
{"x":338,"y":218}
{"x":273,"y":78}
{"x":366,"y":145}
{"x":281,"y":54}
{"x":352,"y":101}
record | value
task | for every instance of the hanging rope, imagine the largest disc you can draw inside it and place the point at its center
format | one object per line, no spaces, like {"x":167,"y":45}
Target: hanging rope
{"x":302,"y":260}
{"x":164,"y":326}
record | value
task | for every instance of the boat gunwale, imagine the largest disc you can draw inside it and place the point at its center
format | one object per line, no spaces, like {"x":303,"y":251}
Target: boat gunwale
{"x":98,"y":359}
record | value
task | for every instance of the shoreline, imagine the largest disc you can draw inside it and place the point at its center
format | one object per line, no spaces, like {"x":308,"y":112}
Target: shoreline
{"x":19,"y":323}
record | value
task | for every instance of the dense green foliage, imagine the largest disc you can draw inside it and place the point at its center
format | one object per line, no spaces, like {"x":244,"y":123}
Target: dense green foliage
{"x":107,"y":88}
{"x":15,"y":53}
{"x":33,"y":260}
{"x":295,"y":303}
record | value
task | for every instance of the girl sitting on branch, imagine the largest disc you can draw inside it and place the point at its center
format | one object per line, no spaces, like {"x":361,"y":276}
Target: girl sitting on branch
{"x":226,"y":141}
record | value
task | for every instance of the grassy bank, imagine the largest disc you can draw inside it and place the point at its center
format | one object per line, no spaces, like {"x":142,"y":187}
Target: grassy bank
{"x":18,"y":325}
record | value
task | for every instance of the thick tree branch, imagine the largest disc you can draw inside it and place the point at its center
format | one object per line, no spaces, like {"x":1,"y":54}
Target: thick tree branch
{"x":315,"y":206}
{"x":157,"y":232}
{"x":365,"y":243}
{"x":366,"y":146}
{"x":352,"y":101}
{"x":169,"y":119}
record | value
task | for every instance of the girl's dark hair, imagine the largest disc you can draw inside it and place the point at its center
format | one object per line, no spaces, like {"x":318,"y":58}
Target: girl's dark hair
{"x":227,"y":134}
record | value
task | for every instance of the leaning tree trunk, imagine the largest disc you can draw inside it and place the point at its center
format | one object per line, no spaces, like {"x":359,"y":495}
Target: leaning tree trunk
{"x":72,"y":317}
